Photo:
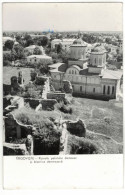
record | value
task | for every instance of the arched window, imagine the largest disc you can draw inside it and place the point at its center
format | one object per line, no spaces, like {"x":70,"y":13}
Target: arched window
{"x":108,"y":91}
{"x":104,"y":89}
{"x":75,"y":72}
{"x":113,"y":89}
{"x":72,"y":71}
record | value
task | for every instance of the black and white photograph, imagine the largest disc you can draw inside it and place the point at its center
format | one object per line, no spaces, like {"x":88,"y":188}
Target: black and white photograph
{"x":62,"y":78}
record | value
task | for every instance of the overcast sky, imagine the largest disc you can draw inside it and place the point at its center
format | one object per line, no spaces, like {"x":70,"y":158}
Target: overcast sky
{"x":62,"y":16}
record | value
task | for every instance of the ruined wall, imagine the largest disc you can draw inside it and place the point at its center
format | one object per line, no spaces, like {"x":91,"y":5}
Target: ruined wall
{"x":33,"y":103}
{"x":77,"y":128}
{"x":14,"y":149}
{"x":15,"y":130}
{"x":57,"y":96}
{"x":48,"y":104}
{"x":67,"y":86}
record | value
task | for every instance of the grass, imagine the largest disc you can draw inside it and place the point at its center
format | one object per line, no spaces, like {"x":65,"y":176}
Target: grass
{"x":8,"y":72}
{"x":103,"y":117}
{"x":99,"y":116}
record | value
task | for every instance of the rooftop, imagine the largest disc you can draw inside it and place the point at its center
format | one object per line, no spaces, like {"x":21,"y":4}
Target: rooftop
{"x":112,"y":74}
{"x":39,"y":56}
{"x":57,"y":65}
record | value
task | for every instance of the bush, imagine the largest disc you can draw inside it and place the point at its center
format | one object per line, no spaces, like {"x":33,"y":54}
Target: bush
{"x":78,"y":145}
{"x":7,"y":63}
{"x":64,"y":108}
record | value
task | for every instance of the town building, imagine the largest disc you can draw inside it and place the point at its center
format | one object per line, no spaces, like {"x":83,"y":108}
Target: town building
{"x":43,"y":59}
{"x":89,"y":76}
{"x":30,"y":49}
{"x":55,"y":43}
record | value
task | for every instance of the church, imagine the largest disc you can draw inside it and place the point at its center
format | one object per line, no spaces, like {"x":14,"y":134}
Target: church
{"x":89,"y":77}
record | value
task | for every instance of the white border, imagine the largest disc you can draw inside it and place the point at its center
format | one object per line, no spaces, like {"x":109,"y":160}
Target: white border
{"x":57,"y":191}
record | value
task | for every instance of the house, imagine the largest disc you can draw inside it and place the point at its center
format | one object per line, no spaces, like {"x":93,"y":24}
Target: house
{"x":89,"y":77}
{"x":55,"y":43}
{"x":66,"y":43}
{"x":30,"y":49}
{"x":43,"y":59}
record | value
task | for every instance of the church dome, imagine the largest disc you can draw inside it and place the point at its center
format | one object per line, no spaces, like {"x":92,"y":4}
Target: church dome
{"x":98,"y":49}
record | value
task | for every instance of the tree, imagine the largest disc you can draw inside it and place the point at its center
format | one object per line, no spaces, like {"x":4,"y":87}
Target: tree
{"x":18,"y":52}
{"x":9,"y":44}
{"x":37,"y":51}
{"x":108,"y":40}
{"x":6,"y":56}
{"x":42,"y":41}
{"x":44,"y":69}
{"x":59,"y":48}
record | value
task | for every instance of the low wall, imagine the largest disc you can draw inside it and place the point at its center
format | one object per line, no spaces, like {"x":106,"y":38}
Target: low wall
{"x":57,"y":96}
{"x":48,"y":104}
{"x":32,"y":102}
{"x":92,"y":96}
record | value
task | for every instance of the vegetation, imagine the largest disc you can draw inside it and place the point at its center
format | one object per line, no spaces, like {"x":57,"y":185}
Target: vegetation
{"x":94,"y":113}
{"x":47,"y":135}
{"x":77,"y":145}
{"x":64,"y":108}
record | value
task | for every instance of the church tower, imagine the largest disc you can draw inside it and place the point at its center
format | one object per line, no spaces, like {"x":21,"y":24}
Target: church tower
{"x":97,"y":60}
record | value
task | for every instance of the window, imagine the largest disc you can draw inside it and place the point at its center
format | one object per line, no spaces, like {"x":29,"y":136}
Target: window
{"x":35,"y":59}
{"x":108,"y":91}
{"x":93,"y":90}
{"x":104,"y":89}
{"x":81,"y":88}
{"x":69,"y":71}
{"x":75,"y":72}
{"x":73,"y":87}
{"x":113,"y":89}
{"x":95,"y":60}
{"x":72,"y":71}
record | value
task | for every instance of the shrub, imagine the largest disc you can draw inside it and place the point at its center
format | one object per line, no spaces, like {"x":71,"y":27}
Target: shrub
{"x":78,"y":145}
{"x":64,"y":108}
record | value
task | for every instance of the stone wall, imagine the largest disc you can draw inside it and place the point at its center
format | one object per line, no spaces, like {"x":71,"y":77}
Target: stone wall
{"x":14,"y":149}
{"x":33,"y":103}
{"x":57,"y":96}
{"x":48,"y":104}
{"x":67,"y":87}
{"x":77,"y":128}
{"x":14,"y":129}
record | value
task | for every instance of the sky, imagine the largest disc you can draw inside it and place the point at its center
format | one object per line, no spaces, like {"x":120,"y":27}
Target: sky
{"x":62,"y":16}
